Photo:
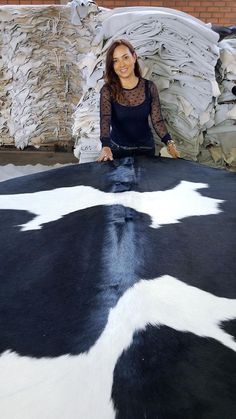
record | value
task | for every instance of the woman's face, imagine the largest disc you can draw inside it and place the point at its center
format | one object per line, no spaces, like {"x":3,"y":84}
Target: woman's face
{"x":123,"y":62}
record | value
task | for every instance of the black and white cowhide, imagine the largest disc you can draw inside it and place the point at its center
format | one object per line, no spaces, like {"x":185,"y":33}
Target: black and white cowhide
{"x":118,"y":292}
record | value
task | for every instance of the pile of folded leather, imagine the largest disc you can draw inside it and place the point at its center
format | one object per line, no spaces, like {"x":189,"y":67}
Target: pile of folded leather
{"x":5,"y":102}
{"x":41,"y":82}
{"x":220,"y":139}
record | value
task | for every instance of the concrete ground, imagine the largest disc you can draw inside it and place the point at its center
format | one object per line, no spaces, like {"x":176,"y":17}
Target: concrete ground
{"x":15,"y":163}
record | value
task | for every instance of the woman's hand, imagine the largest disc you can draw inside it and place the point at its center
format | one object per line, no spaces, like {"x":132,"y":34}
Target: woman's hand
{"x":106,"y":154}
{"x":171,"y":148}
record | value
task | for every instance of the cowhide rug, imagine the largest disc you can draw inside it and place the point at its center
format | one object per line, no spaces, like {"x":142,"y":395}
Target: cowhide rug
{"x":118,"y":292}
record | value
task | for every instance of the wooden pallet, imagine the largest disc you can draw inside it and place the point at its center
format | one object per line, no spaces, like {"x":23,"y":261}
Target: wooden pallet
{"x":47,"y":155}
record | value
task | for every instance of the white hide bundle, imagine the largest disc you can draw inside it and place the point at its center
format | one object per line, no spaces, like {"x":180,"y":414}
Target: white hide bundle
{"x":221,"y":138}
{"x":41,"y":49}
{"x":5,"y":102}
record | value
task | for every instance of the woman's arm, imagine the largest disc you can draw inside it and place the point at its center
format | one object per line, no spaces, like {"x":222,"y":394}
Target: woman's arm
{"x":105,"y":123}
{"x":158,"y":121}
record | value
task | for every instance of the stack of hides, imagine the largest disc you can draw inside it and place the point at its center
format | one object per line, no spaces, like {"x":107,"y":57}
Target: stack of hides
{"x":221,"y":138}
{"x":118,"y":292}
{"x":39,"y":69}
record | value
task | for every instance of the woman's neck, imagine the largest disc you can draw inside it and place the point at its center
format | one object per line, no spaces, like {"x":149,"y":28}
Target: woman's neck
{"x":129,"y":83}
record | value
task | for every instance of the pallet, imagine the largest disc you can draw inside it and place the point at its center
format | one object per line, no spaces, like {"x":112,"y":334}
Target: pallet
{"x":46,"y":155}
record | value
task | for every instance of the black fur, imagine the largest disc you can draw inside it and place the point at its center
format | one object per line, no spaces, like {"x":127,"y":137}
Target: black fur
{"x":56,"y":289}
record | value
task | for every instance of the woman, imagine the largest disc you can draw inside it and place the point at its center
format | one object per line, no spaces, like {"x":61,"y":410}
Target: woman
{"x":126,"y":102}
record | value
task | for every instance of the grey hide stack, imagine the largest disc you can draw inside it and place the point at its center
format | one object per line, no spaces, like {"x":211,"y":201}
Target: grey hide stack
{"x":220,"y":140}
{"x":5,"y":101}
{"x":178,"y":52}
{"x":41,"y":82}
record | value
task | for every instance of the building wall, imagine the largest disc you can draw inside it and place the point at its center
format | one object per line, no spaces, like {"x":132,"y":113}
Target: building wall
{"x":214,"y":11}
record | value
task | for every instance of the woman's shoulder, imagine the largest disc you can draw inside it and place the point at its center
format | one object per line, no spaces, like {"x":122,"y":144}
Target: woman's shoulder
{"x":146,"y":80}
{"x":150,"y":82}
{"x":105,"y":88}
{"x":151,"y":85}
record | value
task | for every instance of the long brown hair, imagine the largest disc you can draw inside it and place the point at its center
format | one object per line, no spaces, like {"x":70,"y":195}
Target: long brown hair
{"x":111,"y":77}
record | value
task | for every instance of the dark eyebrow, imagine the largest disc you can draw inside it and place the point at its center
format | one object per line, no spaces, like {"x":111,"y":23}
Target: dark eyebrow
{"x":115,"y":58}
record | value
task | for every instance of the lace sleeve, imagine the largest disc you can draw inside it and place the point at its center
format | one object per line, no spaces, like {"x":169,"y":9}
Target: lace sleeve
{"x":105,"y":116}
{"x":156,"y":115}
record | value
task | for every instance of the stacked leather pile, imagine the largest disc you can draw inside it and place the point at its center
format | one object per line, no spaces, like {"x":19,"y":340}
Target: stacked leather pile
{"x":221,"y":138}
{"x":5,"y":101}
{"x":42,"y":83}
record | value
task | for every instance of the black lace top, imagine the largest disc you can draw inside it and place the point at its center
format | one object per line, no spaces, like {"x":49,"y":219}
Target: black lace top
{"x":126,"y":123}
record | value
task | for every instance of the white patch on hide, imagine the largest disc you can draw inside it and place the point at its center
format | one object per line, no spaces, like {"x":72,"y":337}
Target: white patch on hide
{"x":164,"y":207}
{"x":79,"y":387}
